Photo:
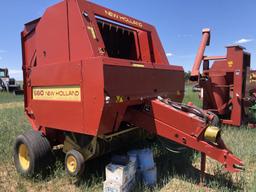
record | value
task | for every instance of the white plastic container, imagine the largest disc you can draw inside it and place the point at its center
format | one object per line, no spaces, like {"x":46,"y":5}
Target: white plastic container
{"x":120,"y":174}
{"x":117,"y":173}
{"x":111,"y":186}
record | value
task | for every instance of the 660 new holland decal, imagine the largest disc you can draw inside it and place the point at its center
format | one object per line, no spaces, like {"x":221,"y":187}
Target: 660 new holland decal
{"x":65,"y":93}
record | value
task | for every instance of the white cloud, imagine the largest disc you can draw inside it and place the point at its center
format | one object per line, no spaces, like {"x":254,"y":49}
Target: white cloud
{"x":243,"y":40}
{"x":169,"y":54}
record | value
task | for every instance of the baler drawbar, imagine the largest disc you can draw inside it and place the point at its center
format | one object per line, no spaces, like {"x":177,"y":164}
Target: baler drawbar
{"x":94,"y":80}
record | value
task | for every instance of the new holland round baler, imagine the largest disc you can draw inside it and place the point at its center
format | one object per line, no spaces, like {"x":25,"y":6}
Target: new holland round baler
{"x":95,"y":80}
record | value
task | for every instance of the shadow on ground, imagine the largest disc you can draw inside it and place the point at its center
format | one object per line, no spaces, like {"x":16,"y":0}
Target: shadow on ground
{"x":169,"y":165}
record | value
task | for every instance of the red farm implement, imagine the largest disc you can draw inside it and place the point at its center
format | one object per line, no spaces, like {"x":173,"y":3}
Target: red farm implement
{"x":228,"y":83}
{"x":94,"y":80}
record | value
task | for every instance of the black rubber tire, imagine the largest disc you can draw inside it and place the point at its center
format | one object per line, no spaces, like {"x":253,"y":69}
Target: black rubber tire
{"x":39,"y":151}
{"x":79,"y":160}
{"x":172,"y":146}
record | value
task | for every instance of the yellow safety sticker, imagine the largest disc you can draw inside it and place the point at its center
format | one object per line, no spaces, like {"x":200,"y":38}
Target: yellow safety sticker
{"x":65,"y":93}
{"x":119,"y":99}
{"x":137,"y":65}
{"x":230,"y":64}
{"x":91,"y":29}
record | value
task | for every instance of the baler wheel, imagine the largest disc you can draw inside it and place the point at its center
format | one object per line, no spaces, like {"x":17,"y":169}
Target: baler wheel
{"x":74,"y":163}
{"x":32,"y":153}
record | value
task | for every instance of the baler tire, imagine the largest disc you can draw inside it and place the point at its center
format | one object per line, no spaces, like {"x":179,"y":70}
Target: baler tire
{"x":172,"y":146}
{"x":33,"y":150}
{"x":78,"y":163}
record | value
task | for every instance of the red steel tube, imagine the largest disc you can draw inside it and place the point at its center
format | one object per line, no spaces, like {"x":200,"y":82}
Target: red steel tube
{"x":200,"y":54}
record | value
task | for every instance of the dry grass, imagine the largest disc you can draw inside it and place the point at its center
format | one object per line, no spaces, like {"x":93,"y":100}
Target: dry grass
{"x":174,"y":173}
{"x":11,"y":105}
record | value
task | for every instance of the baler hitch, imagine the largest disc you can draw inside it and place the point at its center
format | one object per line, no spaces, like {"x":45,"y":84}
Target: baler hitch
{"x":212,"y":135}
{"x":188,"y":126}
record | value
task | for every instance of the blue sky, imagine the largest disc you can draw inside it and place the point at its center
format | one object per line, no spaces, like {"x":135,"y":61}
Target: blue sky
{"x":179,"y":24}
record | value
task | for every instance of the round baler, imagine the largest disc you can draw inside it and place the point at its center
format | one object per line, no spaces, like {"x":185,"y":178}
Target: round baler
{"x":95,"y":80}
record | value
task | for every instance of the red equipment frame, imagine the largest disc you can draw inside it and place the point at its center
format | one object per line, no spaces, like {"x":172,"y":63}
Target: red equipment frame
{"x":65,"y":54}
{"x":224,"y":83}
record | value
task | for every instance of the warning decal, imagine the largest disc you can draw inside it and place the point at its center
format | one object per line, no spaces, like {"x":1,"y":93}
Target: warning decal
{"x":65,"y":93}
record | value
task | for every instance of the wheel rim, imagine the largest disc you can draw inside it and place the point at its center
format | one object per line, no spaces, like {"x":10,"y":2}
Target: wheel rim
{"x":24,"y":158}
{"x":71,"y":164}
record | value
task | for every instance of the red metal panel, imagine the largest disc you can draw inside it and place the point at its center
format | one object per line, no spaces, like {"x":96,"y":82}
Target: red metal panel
{"x":66,"y":116}
{"x":52,"y":35}
{"x":145,"y":46}
{"x":142,"y":82}
{"x":236,"y":55}
{"x":93,"y":92}
{"x":57,"y":74}
{"x":63,"y":115}
{"x":160,"y":56}
{"x":80,"y":47}
{"x":189,"y":124}
{"x":28,"y":44}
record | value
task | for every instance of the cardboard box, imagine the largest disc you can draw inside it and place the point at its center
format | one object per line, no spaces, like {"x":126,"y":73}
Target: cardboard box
{"x":111,"y":186}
